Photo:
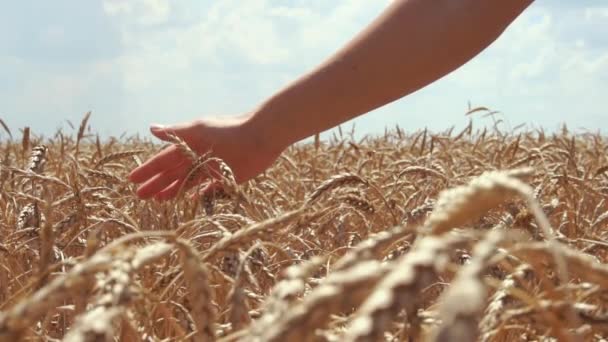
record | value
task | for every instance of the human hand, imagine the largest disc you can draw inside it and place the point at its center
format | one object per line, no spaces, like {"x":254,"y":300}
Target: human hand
{"x":233,"y":140}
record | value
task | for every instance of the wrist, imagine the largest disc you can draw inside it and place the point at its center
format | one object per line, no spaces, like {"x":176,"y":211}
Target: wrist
{"x":264,"y":132}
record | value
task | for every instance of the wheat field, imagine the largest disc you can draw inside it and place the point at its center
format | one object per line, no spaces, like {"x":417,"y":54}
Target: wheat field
{"x":477,"y":235}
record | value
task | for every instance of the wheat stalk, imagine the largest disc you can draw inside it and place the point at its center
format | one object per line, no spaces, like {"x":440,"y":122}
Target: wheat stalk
{"x":196,"y":275}
{"x":463,"y":204}
{"x":252,"y":232}
{"x":463,"y":303}
{"x":347,"y":258}
{"x":499,"y":302}
{"x":340,"y":291}
{"x":37,"y":159}
{"x":115,"y":293}
{"x":334,"y":182}
{"x":116,"y":156}
{"x":399,"y":289}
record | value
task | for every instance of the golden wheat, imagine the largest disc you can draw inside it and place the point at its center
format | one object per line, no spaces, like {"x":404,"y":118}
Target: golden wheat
{"x":483,"y":235}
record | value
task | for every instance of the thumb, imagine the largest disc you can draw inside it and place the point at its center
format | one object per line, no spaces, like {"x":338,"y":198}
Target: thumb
{"x":164,"y":132}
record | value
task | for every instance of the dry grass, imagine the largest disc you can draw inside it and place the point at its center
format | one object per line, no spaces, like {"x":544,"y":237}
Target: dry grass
{"x":471,"y":236}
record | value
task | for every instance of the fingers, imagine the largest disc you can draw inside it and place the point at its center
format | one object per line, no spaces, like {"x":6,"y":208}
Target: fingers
{"x":163,"y":132}
{"x":161,"y":181}
{"x":173,"y":188}
{"x":170,"y":191}
{"x":165,"y":159}
{"x":159,"y":175}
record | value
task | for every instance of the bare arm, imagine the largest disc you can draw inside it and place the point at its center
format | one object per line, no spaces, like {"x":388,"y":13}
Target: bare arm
{"x":413,"y":43}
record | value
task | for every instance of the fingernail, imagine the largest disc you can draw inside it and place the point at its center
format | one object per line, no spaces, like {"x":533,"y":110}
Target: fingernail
{"x":157,"y":127}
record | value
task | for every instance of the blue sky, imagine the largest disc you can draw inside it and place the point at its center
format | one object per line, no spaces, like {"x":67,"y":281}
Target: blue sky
{"x":137,"y":62}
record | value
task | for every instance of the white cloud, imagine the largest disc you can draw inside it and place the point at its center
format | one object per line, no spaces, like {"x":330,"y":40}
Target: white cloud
{"x":592,"y":13}
{"x":155,"y":11}
{"x":227,"y":57}
{"x":144,"y":12}
{"x":541,"y":65}
{"x":170,"y":61}
{"x":295,"y":13}
{"x":116,"y":7}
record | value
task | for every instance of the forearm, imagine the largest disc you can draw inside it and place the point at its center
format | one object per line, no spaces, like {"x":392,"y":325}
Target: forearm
{"x":412,"y":44}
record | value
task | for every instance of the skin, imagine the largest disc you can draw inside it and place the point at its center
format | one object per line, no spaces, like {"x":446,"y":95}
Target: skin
{"x":410,"y":45}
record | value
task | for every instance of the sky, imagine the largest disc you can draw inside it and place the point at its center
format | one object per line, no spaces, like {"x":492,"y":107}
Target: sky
{"x":138,"y":62}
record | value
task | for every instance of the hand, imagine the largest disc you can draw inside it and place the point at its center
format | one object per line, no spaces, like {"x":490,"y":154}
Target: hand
{"x":231,"y":139}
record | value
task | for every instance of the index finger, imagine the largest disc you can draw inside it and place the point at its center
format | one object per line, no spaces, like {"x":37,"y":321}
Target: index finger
{"x":165,"y":159}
